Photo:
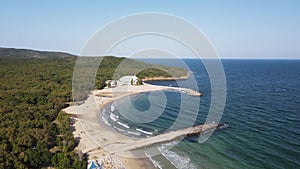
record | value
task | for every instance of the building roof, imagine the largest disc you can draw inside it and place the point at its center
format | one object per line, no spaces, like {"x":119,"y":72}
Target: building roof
{"x":126,"y":78}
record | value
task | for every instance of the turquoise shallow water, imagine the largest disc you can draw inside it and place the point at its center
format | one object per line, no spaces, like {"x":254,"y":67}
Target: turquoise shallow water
{"x":262,"y":111}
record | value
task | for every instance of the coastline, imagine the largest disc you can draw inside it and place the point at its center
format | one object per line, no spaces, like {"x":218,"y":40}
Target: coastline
{"x":96,"y":138}
{"x":161,"y":78}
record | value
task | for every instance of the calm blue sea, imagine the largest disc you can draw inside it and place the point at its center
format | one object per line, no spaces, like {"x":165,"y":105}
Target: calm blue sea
{"x":262,"y":110}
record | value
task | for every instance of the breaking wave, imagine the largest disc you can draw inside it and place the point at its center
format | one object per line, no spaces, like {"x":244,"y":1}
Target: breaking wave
{"x":180,"y":162}
{"x":154,"y":162}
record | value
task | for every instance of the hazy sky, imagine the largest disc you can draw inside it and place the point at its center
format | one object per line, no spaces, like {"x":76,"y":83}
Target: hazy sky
{"x":237,"y":28}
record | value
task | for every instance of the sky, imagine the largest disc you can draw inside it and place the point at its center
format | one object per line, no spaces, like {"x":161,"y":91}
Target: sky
{"x":237,"y":29}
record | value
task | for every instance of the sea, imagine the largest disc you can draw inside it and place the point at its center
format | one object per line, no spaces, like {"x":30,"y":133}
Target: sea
{"x":262,"y":115}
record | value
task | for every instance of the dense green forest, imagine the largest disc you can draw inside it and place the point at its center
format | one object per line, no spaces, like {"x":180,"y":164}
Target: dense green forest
{"x":34,"y":132}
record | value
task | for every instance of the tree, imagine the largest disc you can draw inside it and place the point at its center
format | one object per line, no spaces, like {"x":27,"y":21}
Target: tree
{"x":139,"y":81}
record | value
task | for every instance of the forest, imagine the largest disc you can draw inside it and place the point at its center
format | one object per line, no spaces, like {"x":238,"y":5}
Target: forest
{"x":34,"y":132}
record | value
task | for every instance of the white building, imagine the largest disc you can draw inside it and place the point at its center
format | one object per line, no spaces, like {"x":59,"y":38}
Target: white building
{"x":126,"y":80}
{"x":111,"y":83}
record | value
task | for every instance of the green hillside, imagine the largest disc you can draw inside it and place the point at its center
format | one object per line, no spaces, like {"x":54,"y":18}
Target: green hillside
{"x":27,"y":53}
{"x":34,"y":133}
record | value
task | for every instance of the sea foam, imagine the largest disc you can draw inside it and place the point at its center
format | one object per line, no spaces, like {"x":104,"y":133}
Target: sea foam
{"x":154,"y":162}
{"x":112,"y":108}
{"x":180,"y":162}
{"x":143,"y":131}
{"x":105,"y":121}
{"x":124,"y":125}
{"x":113,"y":117}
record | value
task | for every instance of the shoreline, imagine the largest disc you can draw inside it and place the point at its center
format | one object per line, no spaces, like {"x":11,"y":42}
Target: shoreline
{"x":95,"y":138}
{"x":161,"y":78}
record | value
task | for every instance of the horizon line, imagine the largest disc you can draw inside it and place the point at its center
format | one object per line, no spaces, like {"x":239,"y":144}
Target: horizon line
{"x":222,"y":58}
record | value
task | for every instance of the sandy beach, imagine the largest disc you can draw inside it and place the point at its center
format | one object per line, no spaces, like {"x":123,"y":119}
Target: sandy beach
{"x":97,"y":139}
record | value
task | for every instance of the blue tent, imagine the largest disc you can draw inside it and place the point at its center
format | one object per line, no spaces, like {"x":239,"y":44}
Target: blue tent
{"x":94,"y":165}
